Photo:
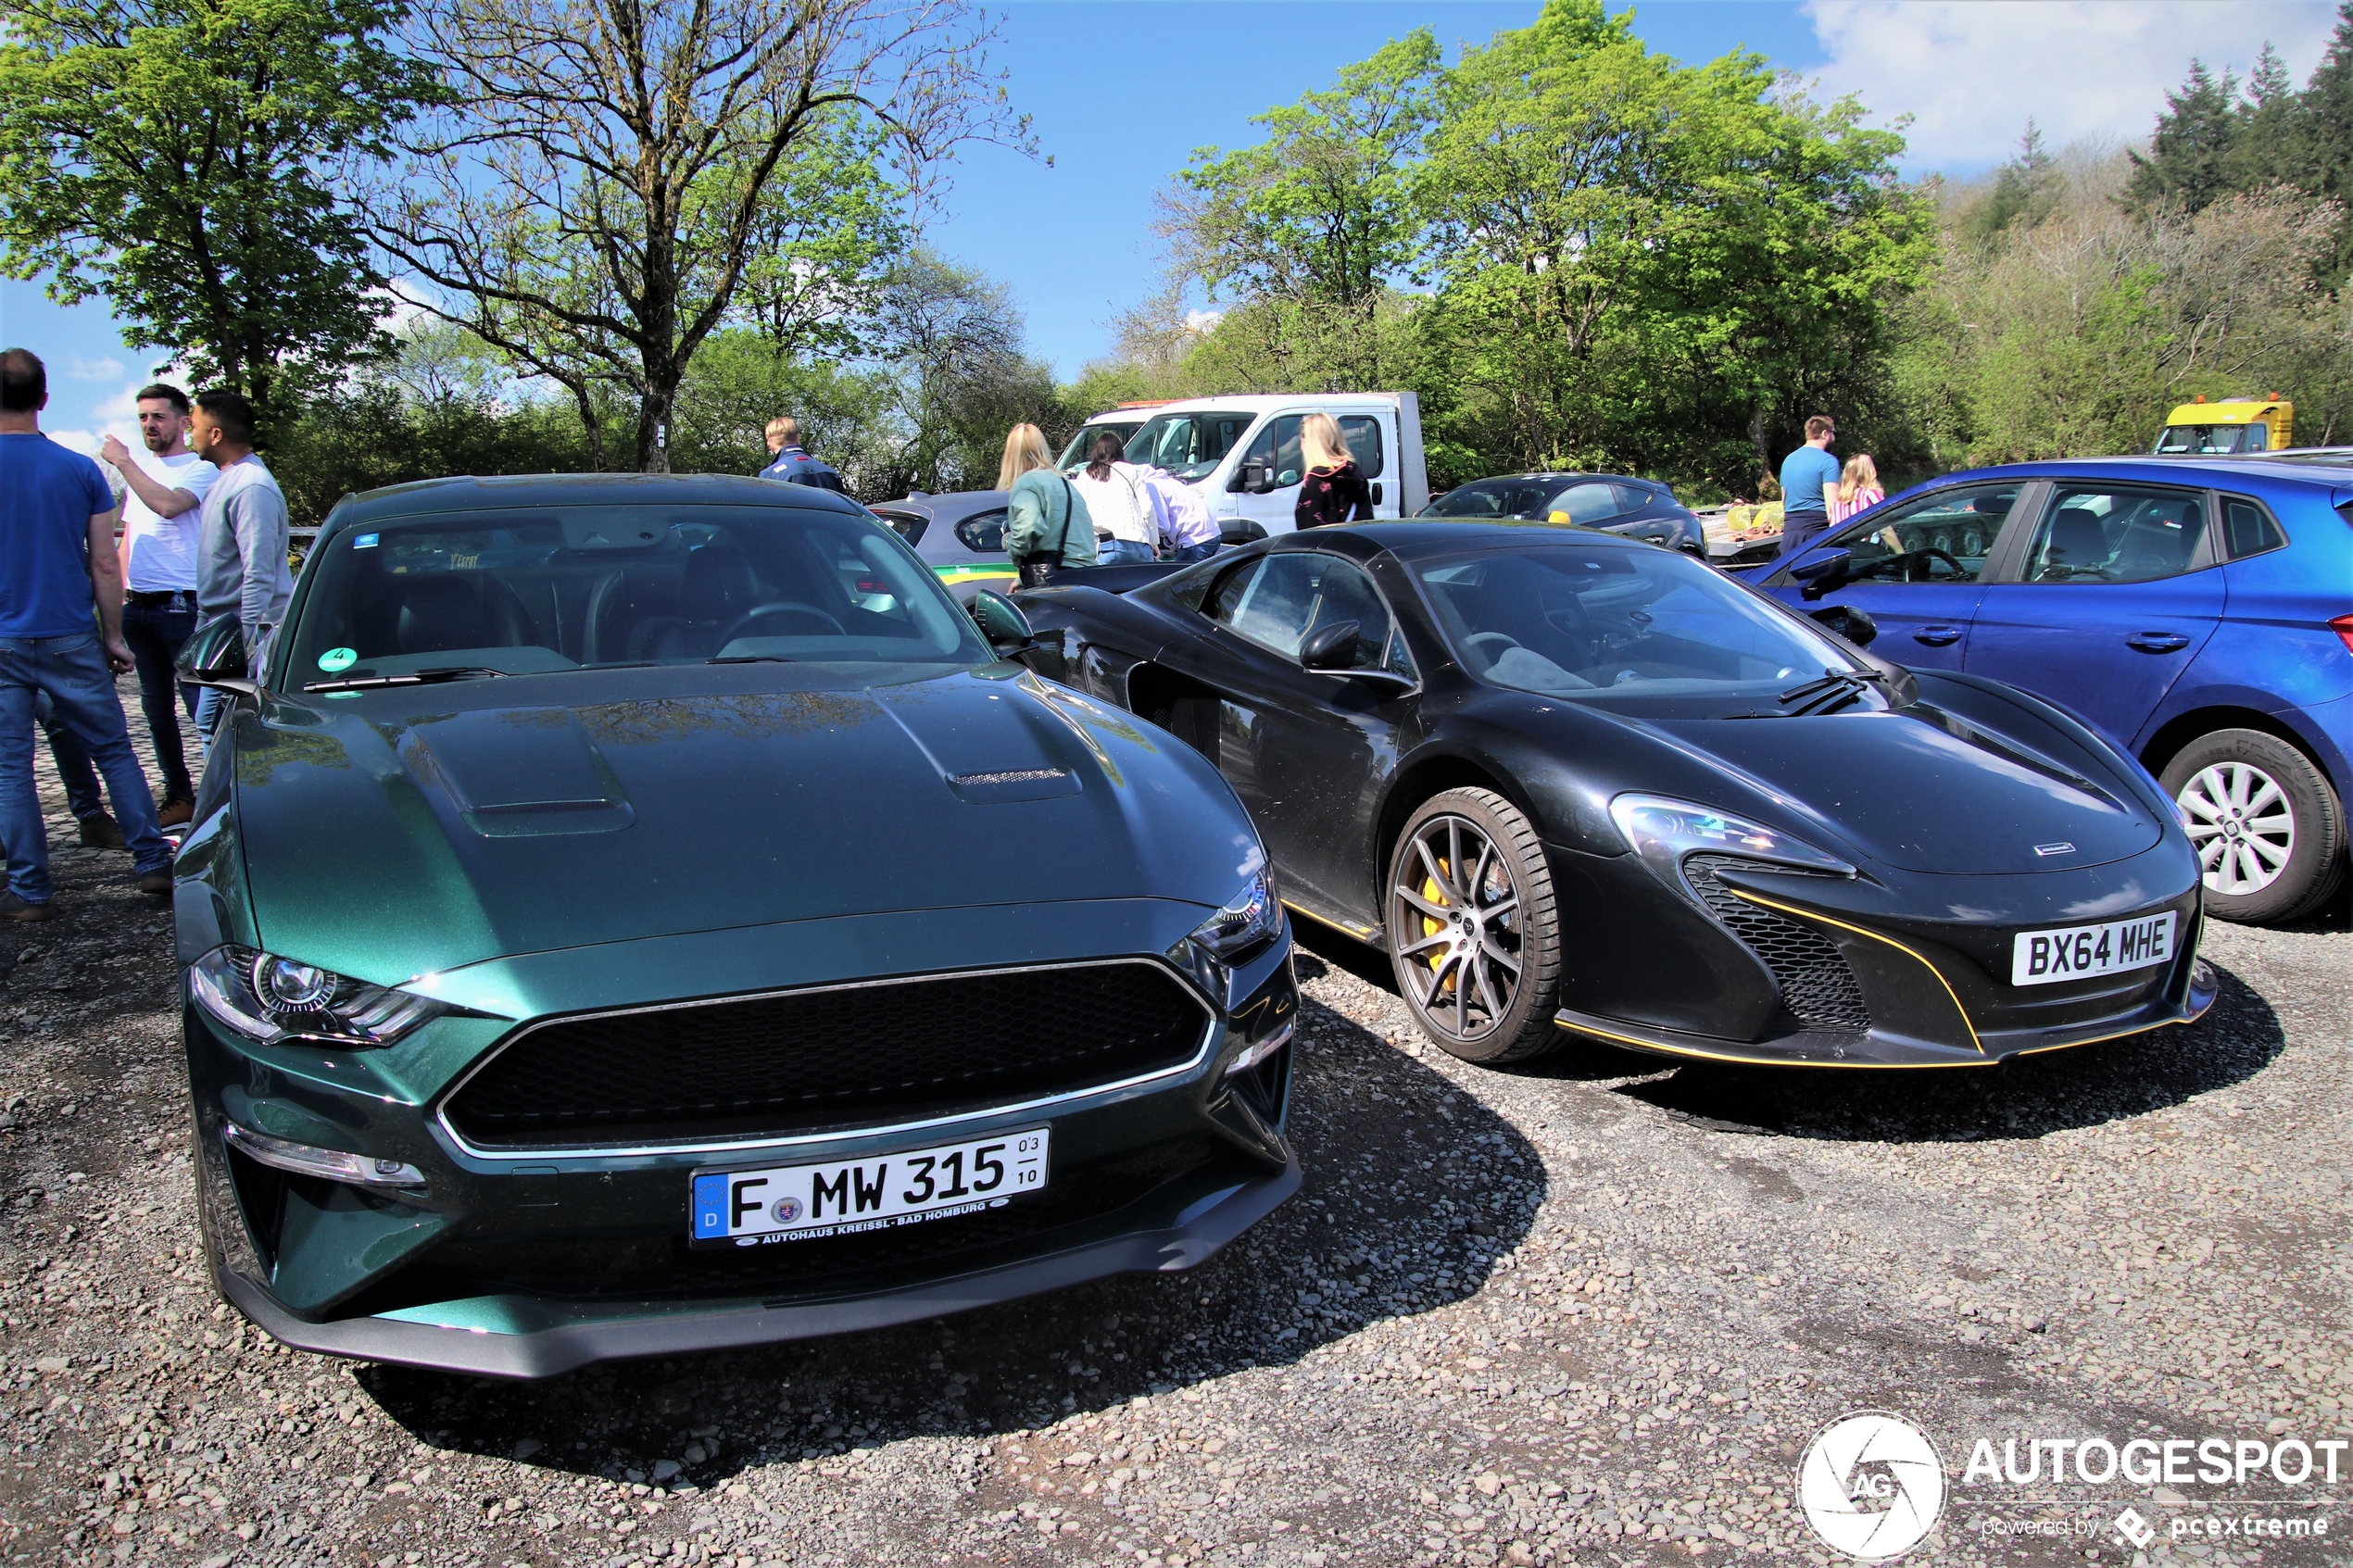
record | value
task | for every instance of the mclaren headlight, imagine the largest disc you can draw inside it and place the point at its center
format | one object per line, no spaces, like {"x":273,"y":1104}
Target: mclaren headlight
{"x":1249,"y":919}
{"x":268,"y":998}
{"x":1663,"y":832}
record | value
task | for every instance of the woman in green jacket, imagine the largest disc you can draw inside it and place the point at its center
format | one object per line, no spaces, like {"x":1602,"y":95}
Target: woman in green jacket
{"x":1047,"y":527}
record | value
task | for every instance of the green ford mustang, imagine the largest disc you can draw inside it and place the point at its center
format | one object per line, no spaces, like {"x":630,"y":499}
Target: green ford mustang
{"x":634,"y":915}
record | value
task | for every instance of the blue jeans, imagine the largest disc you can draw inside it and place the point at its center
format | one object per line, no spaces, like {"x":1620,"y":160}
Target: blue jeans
{"x":74,"y":771}
{"x":1122,"y":552}
{"x":157,"y":633}
{"x":72,"y":672}
{"x":1201,"y":551}
{"x":1800,"y":529}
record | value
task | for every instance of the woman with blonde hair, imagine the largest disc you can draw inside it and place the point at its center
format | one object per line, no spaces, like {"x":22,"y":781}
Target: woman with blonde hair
{"x":1857,"y":490}
{"x":1047,"y":527}
{"x":1334,"y":489}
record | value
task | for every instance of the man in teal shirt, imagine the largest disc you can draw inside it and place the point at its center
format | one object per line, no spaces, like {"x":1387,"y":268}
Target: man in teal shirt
{"x":1806,"y":476}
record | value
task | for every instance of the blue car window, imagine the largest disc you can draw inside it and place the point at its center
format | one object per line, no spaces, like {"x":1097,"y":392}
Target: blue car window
{"x":2117,"y":534}
{"x":2249,"y":528}
{"x":983,"y":533}
{"x":1942,"y":537}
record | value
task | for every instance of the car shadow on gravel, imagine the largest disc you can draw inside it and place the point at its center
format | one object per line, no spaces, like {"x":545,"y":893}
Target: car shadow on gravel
{"x":1413,"y":1191}
{"x":2025,"y":1098}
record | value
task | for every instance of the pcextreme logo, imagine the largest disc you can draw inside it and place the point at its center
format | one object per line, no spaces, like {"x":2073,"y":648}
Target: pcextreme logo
{"x":1872,"y":1485}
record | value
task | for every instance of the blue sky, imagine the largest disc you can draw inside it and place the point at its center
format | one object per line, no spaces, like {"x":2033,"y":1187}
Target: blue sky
{"x":1123,"y":91}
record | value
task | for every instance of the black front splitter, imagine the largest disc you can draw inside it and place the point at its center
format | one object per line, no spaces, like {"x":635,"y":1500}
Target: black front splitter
{"x":622,"y":1331}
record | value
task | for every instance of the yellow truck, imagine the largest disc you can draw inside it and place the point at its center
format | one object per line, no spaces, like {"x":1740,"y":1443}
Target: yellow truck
{"x":2236,"y":424}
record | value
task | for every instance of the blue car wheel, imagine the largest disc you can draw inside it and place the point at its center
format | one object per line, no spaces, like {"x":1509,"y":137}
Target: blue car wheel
{"x":2269,"y":831}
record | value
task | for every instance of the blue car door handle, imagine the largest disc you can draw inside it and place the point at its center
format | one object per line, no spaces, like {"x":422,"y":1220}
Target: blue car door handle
{"x":2157,"y":642}
{"x":1939,"y":636}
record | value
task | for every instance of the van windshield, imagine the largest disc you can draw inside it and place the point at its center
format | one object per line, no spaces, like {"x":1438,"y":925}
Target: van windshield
{"x":2213,"y":440}
{"x":1188,"y":446}
{"x":1074,"y":455}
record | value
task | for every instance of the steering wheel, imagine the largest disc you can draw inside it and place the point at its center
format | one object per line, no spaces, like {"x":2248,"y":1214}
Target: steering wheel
{"x":1503,"y":644}
{"x":782,"y":607}
{"x":1933,"y":554}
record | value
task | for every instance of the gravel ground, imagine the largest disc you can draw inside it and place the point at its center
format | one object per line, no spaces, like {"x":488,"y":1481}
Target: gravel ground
{"x":1590,"y":1311}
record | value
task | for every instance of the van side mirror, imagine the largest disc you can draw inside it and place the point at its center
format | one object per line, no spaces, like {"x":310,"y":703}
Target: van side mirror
{"x":1001,"y":621}
{"x":1845,"y":620}
{"x":1252,"y":479}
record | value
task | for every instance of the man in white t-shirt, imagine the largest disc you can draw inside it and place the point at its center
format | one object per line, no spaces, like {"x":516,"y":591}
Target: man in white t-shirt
{"x":166,"y":489}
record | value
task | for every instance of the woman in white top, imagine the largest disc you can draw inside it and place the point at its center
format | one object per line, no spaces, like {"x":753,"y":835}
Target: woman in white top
{"x":1120,"y":503}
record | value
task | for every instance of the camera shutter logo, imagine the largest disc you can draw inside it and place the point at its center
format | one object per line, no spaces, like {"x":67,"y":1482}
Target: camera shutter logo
{"x":1872,"y":1485}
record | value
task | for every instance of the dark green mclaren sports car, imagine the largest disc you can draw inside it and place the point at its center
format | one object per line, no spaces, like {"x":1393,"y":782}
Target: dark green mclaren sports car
{"x":636,"y":915}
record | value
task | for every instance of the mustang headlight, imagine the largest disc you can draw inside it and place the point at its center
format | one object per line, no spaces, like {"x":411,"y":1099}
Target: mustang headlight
{"x":268,"y":998}
{"x":1249,"y":917}
{"x":1663,"y":832}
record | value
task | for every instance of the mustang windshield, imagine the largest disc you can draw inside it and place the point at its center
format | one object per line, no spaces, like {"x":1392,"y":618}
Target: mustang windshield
{"x":542,"y":589}
{"x":1593,"y":622}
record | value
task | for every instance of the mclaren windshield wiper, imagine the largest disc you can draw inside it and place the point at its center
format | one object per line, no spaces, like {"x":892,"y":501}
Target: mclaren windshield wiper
{"x":413,"y":678}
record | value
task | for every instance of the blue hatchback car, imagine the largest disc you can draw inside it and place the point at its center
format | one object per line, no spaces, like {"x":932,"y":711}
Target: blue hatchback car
{"x":2198,"y":612}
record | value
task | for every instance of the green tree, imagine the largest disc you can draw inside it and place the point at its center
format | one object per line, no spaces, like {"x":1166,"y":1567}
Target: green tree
{"x":2190,"y":162}
{"x":2025,"y":189}
{"x":616,"y":173}
{"x":181,"y":158}
{"x":1321,"y":219}
{"x":2324,"y":139}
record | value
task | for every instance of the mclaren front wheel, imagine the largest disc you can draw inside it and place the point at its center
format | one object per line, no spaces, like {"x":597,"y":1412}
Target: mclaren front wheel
{"x":1472,"y":933}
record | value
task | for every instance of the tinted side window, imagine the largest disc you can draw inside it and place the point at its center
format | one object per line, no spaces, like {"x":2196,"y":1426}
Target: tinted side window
{"x":983,"y":533}
{"x":910,"y":526}
{"x":2117,"y":534}
{"x":1277,"y":601}
{"x":2249,"y":528}
{"x":1589,"y":500}
{"x":1362,"y":433}
{"x":1942,"y":537}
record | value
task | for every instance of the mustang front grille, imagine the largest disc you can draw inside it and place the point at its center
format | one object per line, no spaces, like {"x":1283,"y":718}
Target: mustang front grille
{"x":842,"y":1057}
{"x":1817,"y":984}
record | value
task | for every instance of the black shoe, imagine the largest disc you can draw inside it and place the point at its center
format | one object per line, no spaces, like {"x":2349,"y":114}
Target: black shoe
{"x":100,"y":832}
{"x":157,"y":881}
{"x":14,"y":907}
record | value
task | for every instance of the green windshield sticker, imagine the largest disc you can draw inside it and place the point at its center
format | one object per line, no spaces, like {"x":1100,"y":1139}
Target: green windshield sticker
{"x":338,"y":658}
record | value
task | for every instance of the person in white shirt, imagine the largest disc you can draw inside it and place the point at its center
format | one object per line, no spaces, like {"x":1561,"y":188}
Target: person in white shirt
{"x":1187,"y":529}
{"x":166,"y":486}
{"x":1121,"y":504}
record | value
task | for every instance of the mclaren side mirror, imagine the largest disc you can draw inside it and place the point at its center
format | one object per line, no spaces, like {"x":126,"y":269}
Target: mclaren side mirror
{"x":1333,"y":647}
{"x":1845,"y":620}
{"x":1001,"y":621}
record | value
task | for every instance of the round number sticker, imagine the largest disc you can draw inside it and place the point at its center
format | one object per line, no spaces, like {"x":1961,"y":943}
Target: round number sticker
{"x":338,"y":658}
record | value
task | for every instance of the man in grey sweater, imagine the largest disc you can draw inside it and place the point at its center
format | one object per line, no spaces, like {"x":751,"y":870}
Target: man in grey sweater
{"x":241,"y":544}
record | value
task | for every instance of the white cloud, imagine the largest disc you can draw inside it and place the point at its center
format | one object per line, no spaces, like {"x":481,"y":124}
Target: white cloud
{"x":1203,"y":322}
{"x":103,"y":368}
{"x":1971,"y":71}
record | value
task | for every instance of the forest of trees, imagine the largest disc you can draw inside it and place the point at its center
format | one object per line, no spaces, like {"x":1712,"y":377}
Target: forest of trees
{"x":1579,"y":252}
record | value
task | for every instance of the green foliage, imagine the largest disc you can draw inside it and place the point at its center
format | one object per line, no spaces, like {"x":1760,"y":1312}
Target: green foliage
{"x":180,"y":157}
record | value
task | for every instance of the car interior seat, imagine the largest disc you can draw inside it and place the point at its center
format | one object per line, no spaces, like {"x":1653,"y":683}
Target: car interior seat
{"x":445,"y":612}
{"x":2077,"y":546}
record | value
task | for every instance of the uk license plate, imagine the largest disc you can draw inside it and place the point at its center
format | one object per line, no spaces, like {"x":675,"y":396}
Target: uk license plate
{"x":2079,"y":952}
{"x":844,"y":1196}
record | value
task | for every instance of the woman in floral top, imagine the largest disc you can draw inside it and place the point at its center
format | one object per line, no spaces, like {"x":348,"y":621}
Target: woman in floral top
{"x":1334,"y":489}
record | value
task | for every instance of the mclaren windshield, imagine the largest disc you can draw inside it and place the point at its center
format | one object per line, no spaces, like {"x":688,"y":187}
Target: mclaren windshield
{"x":548,"y":589}
{"x":1596,"y":622}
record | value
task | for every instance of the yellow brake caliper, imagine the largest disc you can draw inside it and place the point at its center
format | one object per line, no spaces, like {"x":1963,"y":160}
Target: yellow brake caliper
{"x":1437,"y":894}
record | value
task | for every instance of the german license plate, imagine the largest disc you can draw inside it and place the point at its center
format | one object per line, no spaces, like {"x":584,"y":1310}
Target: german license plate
{"x":841,"y":1197}
{"x":2077,"y":952}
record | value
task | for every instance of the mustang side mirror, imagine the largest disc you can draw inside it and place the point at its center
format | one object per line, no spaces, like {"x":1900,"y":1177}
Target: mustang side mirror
{"x":1333,"y":647}
{"x":1845,"y":620}
{"x":1821,"y":573}
{"x":215,"y":656}
{"x":1000,"y":621}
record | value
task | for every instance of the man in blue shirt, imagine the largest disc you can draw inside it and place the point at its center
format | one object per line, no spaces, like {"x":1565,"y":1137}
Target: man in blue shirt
{"x":1806,"y":476}
{"x":57,"y":571}
{"x":793,"y":465}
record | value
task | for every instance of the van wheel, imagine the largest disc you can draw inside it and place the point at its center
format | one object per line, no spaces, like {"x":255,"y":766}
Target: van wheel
{"x":1473,"y":933}
{"x":2269,"y":831}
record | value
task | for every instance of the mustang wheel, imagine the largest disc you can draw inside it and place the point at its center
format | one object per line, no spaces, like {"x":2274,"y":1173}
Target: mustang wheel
{"x":1471,"y":927}
{"x":2268,"y":830}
